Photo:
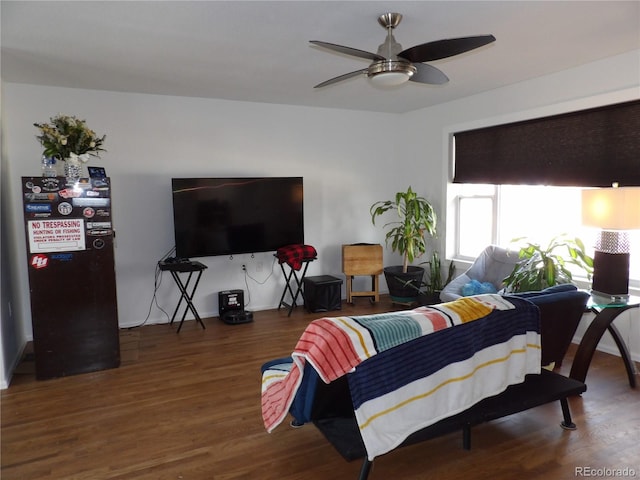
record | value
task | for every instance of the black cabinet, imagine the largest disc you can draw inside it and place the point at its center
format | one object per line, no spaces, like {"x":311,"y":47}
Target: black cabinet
{"x":71,"y":276}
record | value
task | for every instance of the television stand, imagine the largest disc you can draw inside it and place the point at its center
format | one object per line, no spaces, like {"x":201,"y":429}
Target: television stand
{"x":176,"y":267}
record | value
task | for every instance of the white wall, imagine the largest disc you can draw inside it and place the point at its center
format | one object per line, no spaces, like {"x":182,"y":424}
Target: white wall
{"x":348,"y":160}
{"x":153,"y":138}
{"x":10,"y":338}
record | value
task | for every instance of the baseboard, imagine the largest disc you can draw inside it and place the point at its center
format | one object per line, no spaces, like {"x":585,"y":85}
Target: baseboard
{"x":610,"y":349}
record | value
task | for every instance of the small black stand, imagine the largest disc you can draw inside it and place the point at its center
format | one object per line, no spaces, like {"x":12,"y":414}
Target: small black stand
{"x":293,"y":276}
{"x":184,"y":266}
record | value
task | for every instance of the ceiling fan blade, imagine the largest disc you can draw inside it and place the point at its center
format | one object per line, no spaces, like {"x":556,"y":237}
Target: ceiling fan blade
{"x":428,"y":74}
{"x":341,"y":77}
{"x":348,"y":50}
{"x":428,"y":52}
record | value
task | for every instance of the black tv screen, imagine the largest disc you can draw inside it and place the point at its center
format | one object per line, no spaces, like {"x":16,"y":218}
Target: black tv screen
{"x":226,"y":216}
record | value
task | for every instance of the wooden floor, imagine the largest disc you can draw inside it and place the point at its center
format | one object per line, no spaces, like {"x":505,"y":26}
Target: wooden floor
{"x":189,"y":408}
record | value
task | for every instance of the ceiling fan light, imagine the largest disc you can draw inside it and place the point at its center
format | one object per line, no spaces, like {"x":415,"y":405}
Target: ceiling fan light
{"x":390,"y":79}
{"x":390,"y":73}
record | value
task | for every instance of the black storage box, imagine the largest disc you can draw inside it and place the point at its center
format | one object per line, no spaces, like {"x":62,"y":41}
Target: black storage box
{"x":322,"y":293}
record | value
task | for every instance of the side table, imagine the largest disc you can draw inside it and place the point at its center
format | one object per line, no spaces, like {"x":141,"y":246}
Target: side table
{"x":295,"y":256}
{"x":362,"y":259}
{"x":289,"y":279}
{"x":606,"y":310}
{"x":184,"y":266}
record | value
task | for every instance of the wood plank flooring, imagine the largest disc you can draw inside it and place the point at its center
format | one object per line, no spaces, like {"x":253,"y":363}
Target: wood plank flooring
{"x":188,"y":408}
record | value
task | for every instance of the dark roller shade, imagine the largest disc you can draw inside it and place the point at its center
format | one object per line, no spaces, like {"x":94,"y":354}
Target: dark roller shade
{"x":588,"y":148}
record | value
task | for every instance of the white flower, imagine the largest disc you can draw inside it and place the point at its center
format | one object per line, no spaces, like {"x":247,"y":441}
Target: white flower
{"x":66,"y":134}
{"x":75,"y":158}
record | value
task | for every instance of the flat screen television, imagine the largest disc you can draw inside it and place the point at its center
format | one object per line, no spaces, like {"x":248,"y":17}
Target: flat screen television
{"x":226,"y":216}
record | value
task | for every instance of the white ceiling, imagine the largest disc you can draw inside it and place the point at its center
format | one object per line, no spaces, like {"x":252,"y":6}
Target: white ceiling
{"x":259,"y":51}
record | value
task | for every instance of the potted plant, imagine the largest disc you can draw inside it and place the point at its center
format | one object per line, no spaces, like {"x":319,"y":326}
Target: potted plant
{"x":540,"y":267}
{"x":430,"y":294}
{"x":68,"y":139}
{"x":416,"y":218}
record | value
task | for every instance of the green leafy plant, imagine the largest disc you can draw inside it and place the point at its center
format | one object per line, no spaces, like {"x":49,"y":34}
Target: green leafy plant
{"x":67,"y":137}
{"x":435,"y":275}
{"x":416,"y":218}
{"x":540,"y":267}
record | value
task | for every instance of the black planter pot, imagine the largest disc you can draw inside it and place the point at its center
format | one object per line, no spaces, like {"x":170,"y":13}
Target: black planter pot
{"x":404,"y":287}
{"x":430,"y":298}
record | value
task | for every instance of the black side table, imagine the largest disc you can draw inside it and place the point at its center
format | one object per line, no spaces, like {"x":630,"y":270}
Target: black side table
{"x":176,"y":268}
{"x":290,"y":278}
{"x":606,"y":311}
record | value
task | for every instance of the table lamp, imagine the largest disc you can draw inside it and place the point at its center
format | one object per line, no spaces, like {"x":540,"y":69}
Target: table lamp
{"x":615,"y":211}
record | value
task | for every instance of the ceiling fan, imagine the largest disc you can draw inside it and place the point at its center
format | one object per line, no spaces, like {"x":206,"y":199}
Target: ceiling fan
{"x":393,"y":66}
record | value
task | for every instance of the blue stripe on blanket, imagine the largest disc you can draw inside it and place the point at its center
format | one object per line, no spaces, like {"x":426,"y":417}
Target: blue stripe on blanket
{"x":389,"y":329}
{"x":283,"y":364}
{"x":382,"y":373}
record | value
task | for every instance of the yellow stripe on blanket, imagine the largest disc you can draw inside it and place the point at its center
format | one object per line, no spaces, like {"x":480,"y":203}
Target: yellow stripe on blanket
{"x":468,"y":309}
{"x":435,"y":388}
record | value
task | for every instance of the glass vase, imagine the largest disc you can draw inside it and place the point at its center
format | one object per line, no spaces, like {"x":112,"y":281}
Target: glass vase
{"x":72,"y":170}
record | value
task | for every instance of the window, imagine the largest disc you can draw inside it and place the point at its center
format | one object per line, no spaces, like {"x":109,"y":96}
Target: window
{"x":476,"y":225}
{"x":497,"y":214}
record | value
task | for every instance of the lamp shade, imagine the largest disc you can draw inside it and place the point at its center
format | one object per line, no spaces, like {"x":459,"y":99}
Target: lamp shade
{"x":616,"y":208}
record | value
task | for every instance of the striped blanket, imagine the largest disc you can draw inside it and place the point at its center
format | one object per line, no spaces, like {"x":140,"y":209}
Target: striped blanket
{"x":395,"y":383}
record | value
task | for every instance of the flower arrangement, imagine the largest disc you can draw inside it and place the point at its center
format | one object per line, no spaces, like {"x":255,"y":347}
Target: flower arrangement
{"x":68,"y":138}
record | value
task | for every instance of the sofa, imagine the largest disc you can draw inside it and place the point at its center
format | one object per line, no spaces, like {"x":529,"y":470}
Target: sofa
{"x":561,"y":309}
{"x":343,"y":407}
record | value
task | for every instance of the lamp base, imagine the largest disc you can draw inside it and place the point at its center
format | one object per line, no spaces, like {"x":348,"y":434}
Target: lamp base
{"x":611,"y":274}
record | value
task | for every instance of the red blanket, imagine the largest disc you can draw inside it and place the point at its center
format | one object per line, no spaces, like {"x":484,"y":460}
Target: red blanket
{"x":296,"y":255}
